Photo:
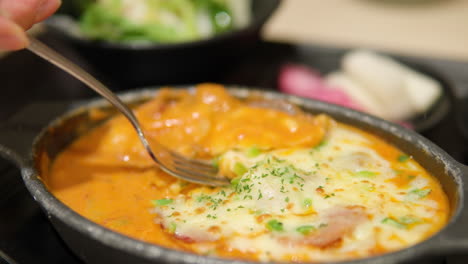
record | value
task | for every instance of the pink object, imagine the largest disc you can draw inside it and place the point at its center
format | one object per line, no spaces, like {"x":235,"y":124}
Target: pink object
{"x":302,"y":81}
{"x":405,"y":124}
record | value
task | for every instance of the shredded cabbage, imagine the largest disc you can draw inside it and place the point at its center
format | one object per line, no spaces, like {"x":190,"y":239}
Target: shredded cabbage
{"x":163,"y":21}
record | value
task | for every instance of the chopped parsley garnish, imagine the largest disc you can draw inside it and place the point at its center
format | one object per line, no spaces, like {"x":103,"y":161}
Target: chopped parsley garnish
{"x":416,"y":194}
{"x":420,"y":193}
{"x":235,"y":182}
{"x":288,"y":178}
{"x":162,"y":202}
{"x":211,"y":216}
{"x":274,"y":225}
{"x":172,"y":227}
{"x":282,"y":190}
{"x":320,"y":145}
{"x":393,"y":222}
{"x":202,"y":198}
{"x":323,"y":225}
{"x":210,"y":201}
{"x":402,"y":222}
{"x":305,"y":229}
{"x":248,"y":197}
{"x":307,"y":202}
{"x":403,"y":158}
{"x":239,"y":169}
{"x":215,"y":161}
{"x":365,"y":174}
{"x":253,"y":152}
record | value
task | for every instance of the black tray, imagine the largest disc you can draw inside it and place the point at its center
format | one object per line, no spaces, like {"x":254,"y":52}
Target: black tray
{"x":34,"y":92}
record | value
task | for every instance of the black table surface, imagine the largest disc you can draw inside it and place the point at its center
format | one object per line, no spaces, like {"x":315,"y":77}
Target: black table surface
{"x":25,"y":234}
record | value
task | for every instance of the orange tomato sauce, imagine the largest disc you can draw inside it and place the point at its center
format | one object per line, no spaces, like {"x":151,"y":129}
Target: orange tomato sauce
{"x":107,"y":176}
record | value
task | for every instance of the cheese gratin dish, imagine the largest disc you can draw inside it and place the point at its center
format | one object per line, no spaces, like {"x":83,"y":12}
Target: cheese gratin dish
{"x":304,"y":188}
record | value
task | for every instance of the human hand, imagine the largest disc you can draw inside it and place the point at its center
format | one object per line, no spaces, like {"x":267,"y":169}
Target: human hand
{"x":17,"y":16}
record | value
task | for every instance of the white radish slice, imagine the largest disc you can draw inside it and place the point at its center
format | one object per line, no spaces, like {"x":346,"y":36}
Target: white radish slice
{"x":422,"y":91}
{"x":385,"y":80}
{"x":359,"y":94}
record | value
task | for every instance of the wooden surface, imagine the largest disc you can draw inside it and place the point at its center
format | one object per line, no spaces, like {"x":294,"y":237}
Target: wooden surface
{"x":437,"y":28}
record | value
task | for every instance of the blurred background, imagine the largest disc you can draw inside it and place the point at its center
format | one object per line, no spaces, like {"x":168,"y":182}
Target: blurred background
{"x":401,"y":60}
{"x":435,"y":28}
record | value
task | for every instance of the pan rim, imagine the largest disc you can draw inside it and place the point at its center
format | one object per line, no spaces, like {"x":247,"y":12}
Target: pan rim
{"x":54,"y":207}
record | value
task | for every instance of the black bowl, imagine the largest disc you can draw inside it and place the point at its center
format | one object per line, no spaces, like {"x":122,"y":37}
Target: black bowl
{"x":178,"y":63}
{"x":96,"y":244}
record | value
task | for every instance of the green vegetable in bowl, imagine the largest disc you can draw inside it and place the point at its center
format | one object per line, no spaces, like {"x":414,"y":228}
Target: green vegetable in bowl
{"x":162,"y":21}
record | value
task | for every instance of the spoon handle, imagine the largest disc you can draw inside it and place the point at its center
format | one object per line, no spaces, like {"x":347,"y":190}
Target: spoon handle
{"x":55,"y":58}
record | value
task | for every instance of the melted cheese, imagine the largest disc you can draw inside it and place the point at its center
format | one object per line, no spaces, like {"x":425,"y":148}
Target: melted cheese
{"x":304,"y":188}
{"x":281,"y":205}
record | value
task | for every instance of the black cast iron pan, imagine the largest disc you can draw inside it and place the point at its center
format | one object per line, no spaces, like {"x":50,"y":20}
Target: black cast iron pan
{"x":96,"y":244}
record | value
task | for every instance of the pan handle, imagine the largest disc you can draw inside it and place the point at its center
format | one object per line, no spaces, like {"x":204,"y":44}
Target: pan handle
{"x":18,"y":133}
{"x":454,"y":238}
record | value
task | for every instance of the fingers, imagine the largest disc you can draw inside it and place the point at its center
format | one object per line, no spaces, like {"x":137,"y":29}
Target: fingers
{"x":12,"y":36}
{"x":16,"y":16}
{"x":23,"y":12}
{"x":27,"y":12}
{"x":47,"y":9}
